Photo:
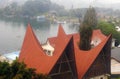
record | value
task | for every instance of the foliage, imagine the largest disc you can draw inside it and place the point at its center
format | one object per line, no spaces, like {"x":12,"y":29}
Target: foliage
{"x":55,"y":7}
{"x":90,"y":17}
{"x":62,"y":13}
{"x":34,"y":7}
{"x":76,"y":12}
{"x":118,"y":78}
{"x":12,"y":9}
{"x":89,"y":22}
{"x":108,"y":28}
{"x":4,"y":70}
{"x":85,"y":37}
{"x":18,"y":70}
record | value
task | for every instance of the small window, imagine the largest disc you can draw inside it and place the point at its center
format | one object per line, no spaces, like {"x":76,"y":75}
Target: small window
{"x":49,"y":53}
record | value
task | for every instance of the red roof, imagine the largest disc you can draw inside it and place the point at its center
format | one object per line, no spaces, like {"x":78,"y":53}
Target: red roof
{"x":33,"y":55}
{"x":97,"y":33}
{"x":84,"y":59}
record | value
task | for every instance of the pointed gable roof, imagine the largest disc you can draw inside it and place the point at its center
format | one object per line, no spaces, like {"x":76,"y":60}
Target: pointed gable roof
{"x":84,"y":59}
{"x":32,"y":51}
{"x":61,"y":32}
{"x":61,"y":35}
{"x":60,"y":39}
{"x":30,"y":42}
{"x":65,"y":64}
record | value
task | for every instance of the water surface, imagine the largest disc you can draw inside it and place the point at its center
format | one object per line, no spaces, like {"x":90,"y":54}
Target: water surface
{"x":12,"y":33}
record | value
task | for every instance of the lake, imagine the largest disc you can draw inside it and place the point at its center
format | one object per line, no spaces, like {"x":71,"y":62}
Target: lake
{"x":12,"y":33}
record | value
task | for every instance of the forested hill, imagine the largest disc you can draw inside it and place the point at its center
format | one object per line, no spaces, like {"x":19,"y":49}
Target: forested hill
{"x":30,"y":8}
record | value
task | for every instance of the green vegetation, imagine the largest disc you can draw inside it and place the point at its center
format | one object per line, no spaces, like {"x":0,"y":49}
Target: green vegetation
{"x":106,"y":28}
{"x":32,"y":8}
{"x":89,"y":22}
{"x":90,"y":18}
{"x":18,"y":70}
{"x":85,"y":37}
{"x":109,"y":28}
{"x":35,"y":7}
{"x":118,"y":78}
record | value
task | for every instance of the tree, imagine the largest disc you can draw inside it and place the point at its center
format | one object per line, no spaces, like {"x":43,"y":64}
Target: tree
{"x":4,"y":70}
{"x":60,"y":10}
{"x":90,"y":17}
{"x":18,"y":70}
{"x":89,"y":22}
{"x":109,"y":28}
{"x":12,"y":9}
{"x":34,"y":7}
{"x":85,"y":37}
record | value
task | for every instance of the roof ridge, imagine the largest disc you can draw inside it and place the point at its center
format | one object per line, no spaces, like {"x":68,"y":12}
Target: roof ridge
{"x":30,"y":40}
{"x":61,"y":31}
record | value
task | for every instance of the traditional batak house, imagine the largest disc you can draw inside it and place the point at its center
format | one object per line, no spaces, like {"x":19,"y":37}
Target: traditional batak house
{"x":61,"y":57}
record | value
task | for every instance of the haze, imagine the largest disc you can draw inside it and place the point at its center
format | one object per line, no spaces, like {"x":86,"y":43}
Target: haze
{"x":68,"y":4}
{"x":85,"y":3}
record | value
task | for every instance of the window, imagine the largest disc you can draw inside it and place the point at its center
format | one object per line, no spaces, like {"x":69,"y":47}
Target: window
{"x":48,"y":53}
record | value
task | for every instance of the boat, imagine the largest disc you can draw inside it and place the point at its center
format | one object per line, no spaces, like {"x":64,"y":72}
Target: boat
{"x":41,"y":18}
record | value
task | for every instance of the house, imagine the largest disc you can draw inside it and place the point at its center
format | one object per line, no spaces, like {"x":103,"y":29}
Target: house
{"x":117,"y":28}
{"x":115,"y":63}
{"x":115,"y":53}
{"x":67,"y":61}
{"x":113,"y":42}
{"x":115,"y":68}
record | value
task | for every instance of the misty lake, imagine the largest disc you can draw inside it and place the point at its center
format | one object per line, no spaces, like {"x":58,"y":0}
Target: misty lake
{"x":12,"y":33}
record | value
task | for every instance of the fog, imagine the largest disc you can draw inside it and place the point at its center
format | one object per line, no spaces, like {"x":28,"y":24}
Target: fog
{"x":68,"y":4}
{"x":86,"y":3}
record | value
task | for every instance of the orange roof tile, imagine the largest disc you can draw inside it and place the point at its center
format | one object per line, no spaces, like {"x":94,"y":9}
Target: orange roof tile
{"x":98,"y":33}
{"x":32,"y":51}
{"x":84,"y":59}
{"x":33,"y":55}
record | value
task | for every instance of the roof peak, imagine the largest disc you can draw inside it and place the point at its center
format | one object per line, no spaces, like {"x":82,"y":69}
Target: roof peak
{"x":61,"y":31}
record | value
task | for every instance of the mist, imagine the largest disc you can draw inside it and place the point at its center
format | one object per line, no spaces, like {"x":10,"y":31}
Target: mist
{"x":68,"y":4}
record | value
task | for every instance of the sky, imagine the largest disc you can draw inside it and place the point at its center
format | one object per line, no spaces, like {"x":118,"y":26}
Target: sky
{"x":107,"y":1}
{"x":86,"y":3}
{"x":68,"y":4}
